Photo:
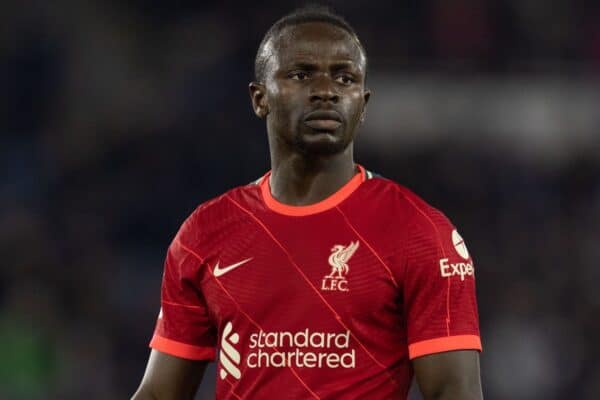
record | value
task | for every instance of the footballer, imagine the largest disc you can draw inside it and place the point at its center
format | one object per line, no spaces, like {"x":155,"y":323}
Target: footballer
{"x":321,"y":279}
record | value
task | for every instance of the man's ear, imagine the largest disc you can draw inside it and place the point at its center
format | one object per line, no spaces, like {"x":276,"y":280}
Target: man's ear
{"x":363,"y":114}
{"x":259,"y":101}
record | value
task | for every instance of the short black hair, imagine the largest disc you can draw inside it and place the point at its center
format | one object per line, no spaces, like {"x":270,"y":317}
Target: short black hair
{"x":309,"y":13}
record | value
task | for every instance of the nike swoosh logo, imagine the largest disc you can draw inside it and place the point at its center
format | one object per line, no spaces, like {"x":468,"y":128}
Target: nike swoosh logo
{"x":222,"y":271}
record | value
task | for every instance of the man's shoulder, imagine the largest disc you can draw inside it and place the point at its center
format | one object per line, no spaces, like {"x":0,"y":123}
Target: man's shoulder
{"x":387,"y":195}
{"x":220,"y":210}
{"x":394,"y":192}
{"x":421,"y":228}
{"x":230,"y":197}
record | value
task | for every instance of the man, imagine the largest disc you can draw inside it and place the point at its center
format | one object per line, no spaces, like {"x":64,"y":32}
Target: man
{"x":320,"y":280}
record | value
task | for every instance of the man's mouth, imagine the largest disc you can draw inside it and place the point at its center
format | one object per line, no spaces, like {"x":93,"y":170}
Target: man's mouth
{"x":323,"y":120}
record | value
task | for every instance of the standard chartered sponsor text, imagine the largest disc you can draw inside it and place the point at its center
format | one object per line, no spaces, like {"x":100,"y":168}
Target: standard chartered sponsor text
{"x":303,"y":349}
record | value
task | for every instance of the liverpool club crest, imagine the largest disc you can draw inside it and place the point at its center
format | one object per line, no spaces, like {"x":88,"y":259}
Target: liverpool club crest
{"x":336,"y":279}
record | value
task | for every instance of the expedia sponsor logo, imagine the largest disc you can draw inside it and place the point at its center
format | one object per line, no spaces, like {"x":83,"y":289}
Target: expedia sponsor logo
{"x":303,"y":349}
{"x":456,"y":269}
{"x":459,"y":245}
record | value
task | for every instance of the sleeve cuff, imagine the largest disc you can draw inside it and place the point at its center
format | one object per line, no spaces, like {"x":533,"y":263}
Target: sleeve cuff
{"x":181,"y":350}
{"x":439,"y":345}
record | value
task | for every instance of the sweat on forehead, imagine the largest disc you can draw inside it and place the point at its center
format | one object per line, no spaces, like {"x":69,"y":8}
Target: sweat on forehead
{"x":307,"y":37}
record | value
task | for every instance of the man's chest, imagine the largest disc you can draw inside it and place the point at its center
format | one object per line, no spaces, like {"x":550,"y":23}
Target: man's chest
{"x":299,"y":277}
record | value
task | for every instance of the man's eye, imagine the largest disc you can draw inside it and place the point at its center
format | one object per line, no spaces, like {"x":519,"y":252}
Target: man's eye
{"x":344,"y":79}
{"x":299,"y":76}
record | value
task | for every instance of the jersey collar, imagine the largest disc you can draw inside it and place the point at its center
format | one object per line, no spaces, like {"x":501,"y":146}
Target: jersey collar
{"x":298,"y":211}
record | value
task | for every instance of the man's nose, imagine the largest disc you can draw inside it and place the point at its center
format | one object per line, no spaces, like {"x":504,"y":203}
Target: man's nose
{"x":323,"y":89}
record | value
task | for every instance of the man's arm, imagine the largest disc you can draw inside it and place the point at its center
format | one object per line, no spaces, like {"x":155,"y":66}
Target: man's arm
{"x":170,"y":378}
{"x":451,"y":375}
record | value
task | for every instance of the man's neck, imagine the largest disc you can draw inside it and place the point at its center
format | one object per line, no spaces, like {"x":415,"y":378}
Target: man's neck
{"x":297,"y":180}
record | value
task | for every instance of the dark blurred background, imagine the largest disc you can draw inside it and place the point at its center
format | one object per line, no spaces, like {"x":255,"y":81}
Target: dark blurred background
{"x":119,"y":117}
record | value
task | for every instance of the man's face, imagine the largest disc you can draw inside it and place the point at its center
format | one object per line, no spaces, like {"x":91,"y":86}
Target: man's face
{"x":314,"y":88}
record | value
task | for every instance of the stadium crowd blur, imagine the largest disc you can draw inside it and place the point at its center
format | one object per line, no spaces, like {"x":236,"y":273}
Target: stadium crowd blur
{"x":118,"y":118}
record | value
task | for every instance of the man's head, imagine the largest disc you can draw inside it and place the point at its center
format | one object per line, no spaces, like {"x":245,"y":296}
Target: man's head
{"x":310,"y":82}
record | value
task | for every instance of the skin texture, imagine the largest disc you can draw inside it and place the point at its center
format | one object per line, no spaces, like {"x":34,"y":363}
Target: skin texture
{"x":170,"y":378}
{"x":313,"y":67}
{"x":449,"y":376}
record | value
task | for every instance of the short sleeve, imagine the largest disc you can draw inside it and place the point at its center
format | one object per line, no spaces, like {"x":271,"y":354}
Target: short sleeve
{"x":183,"y":328}
{"x":439,"y":289}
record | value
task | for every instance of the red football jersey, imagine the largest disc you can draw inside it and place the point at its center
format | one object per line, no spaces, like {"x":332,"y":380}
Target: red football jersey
{"x":326,"y":301}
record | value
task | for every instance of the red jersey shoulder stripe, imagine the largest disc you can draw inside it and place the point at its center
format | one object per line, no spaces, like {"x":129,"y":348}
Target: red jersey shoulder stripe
{"x":182,"y":350}
{"x":442,"y":344}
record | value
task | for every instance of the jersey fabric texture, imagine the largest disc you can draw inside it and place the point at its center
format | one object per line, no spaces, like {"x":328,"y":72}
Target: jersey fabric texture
{"x":326,"y":301}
